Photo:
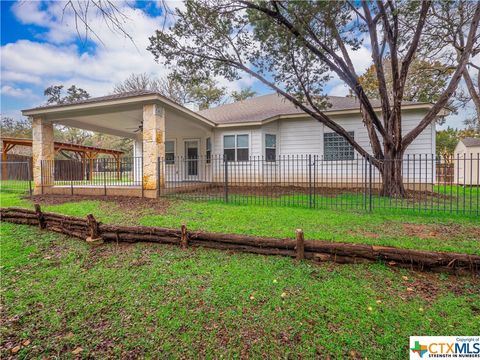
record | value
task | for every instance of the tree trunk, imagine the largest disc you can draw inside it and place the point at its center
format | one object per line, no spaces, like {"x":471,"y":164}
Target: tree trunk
{"x":391,"y":171}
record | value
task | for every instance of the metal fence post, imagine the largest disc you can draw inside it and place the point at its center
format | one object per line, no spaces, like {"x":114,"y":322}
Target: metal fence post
{"x":369,"y":184}
{"x":158,"y":176}
{"x":41,"y":175}
{"x":141,"y":181}
{"x":29,"y":175}
{"x":225,"y":176}
{"x":104,"y":177}
{"x":71,"y":177}
{"x":310,"y":180}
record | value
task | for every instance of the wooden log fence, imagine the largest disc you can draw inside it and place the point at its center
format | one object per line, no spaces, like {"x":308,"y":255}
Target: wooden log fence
{"x":316,"y":250}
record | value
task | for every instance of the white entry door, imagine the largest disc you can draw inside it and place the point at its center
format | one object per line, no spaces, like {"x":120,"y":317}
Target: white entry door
{"x":192,"y":152}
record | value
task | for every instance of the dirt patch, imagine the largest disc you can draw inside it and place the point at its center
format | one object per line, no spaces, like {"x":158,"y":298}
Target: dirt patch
{"x":428,"y":286}
{"x":124,"y":202}
{"x":425,"y":231}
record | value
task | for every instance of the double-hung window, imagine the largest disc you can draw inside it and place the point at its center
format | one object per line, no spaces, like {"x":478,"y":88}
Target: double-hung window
{"x":208,"y":150}
{"x":270,"y":147}
{"x":335,"y":147}
{"x":169,"y":152}
{"x":235,"y":147}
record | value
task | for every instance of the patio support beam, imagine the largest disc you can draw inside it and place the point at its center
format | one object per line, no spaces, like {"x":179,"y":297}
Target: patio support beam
{"x":153,"y":147}
{"x":42,"y":149}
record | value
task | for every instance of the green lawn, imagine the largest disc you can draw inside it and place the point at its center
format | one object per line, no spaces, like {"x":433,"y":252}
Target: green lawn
{"x":60,"y":296}
{"x":407,"y":228}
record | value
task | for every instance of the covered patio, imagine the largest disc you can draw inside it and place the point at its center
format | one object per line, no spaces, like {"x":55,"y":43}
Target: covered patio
{"x":148,"y":118}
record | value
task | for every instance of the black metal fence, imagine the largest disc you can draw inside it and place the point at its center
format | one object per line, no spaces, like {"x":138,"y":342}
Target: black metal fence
{"x":314,"y":182}
{"x":16,"y":176}
{"x":101,"y":172}
{"x":431,"y":183}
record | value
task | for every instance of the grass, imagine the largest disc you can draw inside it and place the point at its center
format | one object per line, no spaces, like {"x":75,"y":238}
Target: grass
{"x":144,"y":300}
{"x":407,"y":229}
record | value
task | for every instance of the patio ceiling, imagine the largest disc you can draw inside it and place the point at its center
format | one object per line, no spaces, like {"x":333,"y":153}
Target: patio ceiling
{"x":115,"y":115}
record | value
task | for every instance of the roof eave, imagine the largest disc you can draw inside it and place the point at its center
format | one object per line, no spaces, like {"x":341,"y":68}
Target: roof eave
{"x":124,"y":101}
{"x":329,"y":112}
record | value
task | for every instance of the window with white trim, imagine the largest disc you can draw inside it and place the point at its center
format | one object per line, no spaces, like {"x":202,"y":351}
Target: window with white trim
{"x":335,"y":147}
{"x":208,"y":150}
{"x":270,"y":147}
{"x":235,"y":147}
{"x":169,"y":152}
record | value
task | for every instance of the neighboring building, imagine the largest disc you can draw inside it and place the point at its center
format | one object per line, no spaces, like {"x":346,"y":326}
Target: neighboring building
{"x":266,"y":127}
{"x":466,"y":159}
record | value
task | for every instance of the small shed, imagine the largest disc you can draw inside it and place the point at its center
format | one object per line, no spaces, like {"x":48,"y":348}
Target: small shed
{"x":467,"y":161}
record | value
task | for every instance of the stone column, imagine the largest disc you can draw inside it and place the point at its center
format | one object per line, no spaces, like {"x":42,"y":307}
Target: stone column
{"x":42,"y":149}
{"x":153,"y":147}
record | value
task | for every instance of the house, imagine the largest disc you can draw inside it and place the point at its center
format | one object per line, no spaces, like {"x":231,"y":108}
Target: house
{"x":466,"y":156}
{"x":256,"y":136}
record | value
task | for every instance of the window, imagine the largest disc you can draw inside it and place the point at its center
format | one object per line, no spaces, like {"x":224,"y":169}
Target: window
{"x":170,"y":152}
{"x":270,"y":147}
{"x":235,"y":147}
{"x":335,"y":147}
{"x":208,"y":148}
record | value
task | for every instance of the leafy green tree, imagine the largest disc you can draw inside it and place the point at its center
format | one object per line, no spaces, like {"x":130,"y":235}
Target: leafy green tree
{"x":21,"y":128}
{"x":243,"y":94}
{"x":73,"y":94}
{"x":294,"y":47}
{"x":446,"y":140}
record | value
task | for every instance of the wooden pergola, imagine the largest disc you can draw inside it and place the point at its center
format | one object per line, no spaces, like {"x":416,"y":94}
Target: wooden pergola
{"x":89,"y":153}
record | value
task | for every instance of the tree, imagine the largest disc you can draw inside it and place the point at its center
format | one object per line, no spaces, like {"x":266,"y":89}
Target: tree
{"x":446,"y":141}
{"x":138,"y":82}
{"x":425,"y":82}
{"x":21,"y":128}
{"x":203,"y":93}
{"x":74,"y":94}
{"x":473,"y":123}
{"x":243,"y":94}
{"x":446,"y":33}
{"x":206,"y":93}
{"x":296,"y":47}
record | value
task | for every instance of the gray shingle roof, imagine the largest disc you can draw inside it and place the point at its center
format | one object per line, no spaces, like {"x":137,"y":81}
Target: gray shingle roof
{"x":247,"y":111}
{"x":471,"y":142}
{"x":267,"y":106}
{"x":99,"y":99}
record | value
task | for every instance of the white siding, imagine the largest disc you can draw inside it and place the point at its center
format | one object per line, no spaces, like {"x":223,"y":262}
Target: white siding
{"x":299,"y":138}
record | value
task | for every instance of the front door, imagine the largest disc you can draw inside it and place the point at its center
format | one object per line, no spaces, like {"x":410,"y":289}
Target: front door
{"x":191,"y":159}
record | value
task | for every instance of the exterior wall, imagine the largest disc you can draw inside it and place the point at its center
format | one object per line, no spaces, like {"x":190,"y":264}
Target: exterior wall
{"x":298,"y":138}
{"x":466,"y":165}
{"x":179,"y":129}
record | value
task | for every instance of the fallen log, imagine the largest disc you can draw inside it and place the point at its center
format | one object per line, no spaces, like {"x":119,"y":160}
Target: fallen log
{"x":131,"y":238}
{"x":15,"y":215}
{"x":241,"y":248}
{"x":316,"y":250}
{"x":21,"y":221}
{"x":140,"y":230}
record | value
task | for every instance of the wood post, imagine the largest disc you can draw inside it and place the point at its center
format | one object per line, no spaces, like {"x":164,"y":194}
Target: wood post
{"x":93,"y":231}
{"x":300,"y":247}
{"x":184,"y":238}
{"x":41,"y":219}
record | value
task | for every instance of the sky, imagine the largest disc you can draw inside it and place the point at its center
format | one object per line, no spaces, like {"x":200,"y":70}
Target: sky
{"x":40,"y":46}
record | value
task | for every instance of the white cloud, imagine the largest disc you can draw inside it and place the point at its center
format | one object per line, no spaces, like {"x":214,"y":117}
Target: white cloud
{"x":15,"y":92}
{"x":59,"y":60}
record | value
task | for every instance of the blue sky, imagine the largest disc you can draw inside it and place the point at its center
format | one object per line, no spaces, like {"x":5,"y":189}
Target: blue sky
{"x":41,"y":47}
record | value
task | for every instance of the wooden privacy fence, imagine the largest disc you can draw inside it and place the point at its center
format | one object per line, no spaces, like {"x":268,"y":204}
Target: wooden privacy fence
{"x":316,"y":250}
